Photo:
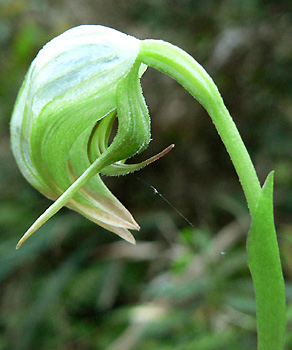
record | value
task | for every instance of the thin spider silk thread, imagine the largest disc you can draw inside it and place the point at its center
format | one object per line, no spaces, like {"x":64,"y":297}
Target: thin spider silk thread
{"x":166,"y":201}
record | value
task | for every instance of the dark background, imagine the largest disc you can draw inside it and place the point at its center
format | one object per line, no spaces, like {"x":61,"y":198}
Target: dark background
{"x":183,"y":286}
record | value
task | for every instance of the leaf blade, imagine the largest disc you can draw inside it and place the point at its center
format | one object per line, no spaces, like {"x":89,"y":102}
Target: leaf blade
{"x":265,"y":267}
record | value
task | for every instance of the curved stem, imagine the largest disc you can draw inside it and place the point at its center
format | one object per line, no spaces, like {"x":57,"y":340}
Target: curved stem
{"x":183,"y":68}
{"x":263,"y":251}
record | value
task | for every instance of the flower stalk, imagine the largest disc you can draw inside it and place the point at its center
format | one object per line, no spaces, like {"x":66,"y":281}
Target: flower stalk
{"x":264,"y":259}
{"x":184,"y":69}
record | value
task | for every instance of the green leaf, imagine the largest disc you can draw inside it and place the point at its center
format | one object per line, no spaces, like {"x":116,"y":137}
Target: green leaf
{"x":265,"y":267}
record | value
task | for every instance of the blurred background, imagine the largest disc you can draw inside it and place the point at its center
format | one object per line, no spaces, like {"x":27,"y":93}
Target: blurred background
{"x":185,"y":285}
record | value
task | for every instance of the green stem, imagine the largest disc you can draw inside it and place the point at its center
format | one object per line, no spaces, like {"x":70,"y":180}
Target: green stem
{"x":183,"y":68}
{"x":263,"y":251}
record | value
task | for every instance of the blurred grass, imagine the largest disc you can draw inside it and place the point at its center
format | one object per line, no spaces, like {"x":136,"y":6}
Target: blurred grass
{"x":76,"y":286}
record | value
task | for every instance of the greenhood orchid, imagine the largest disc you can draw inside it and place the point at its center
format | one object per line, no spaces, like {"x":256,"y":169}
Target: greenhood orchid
{"x":75,"y":88}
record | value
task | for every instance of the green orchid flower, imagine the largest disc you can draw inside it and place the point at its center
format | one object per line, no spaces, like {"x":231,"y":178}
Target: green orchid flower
{"x":77,"y":85}
{"x":75,"y":88}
